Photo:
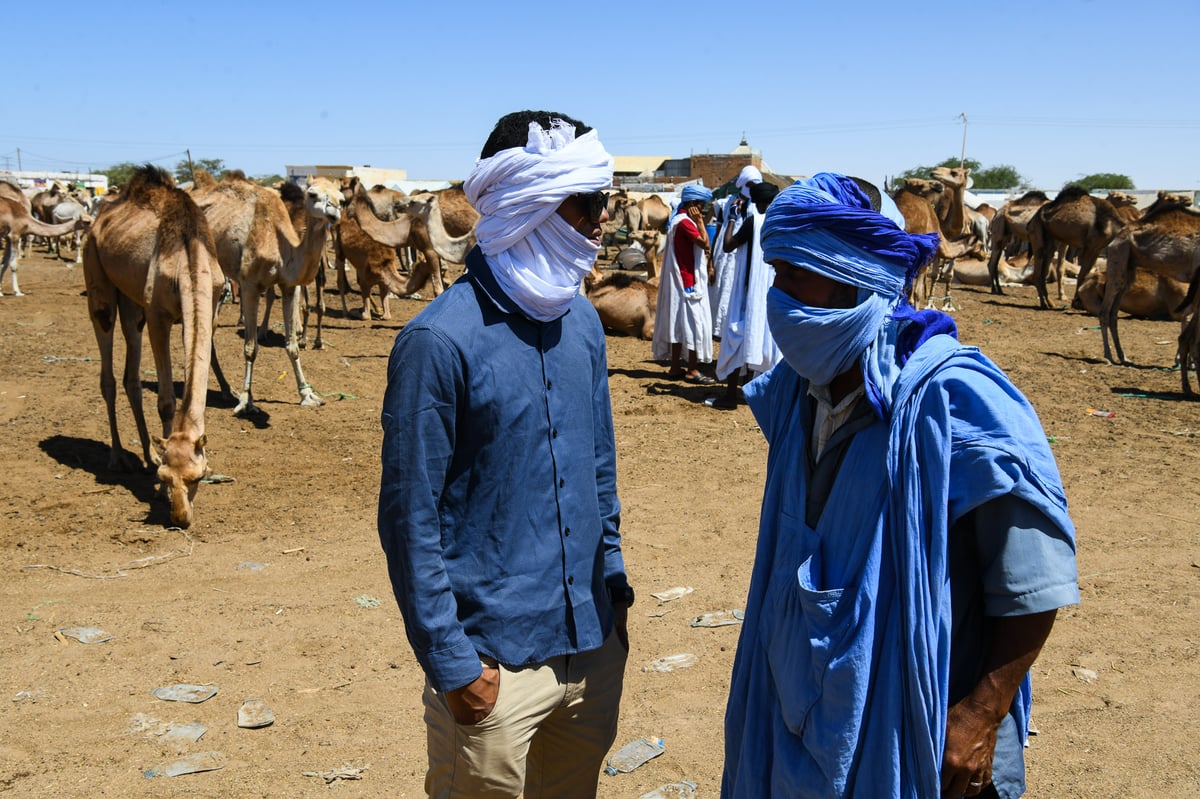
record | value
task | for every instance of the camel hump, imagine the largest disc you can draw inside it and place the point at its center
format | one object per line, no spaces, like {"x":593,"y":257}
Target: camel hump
{"x":181,"y":222}
{"x":1070,"y":193}
{"x":1033,"y":197}
{"x":201,"y":179}
{"x":147,"y":177}
{"x":291,"y":193}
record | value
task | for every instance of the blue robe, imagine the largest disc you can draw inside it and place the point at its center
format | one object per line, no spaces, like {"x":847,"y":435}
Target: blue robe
{"x":840,"y":684}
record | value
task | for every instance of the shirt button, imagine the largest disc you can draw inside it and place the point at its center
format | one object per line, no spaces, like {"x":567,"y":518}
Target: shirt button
{"x":561,"y":482}
{"x":554,"y":433}
{"x":567,"y":531}
{"x":570,"y":581}
{"x":549,"y":384}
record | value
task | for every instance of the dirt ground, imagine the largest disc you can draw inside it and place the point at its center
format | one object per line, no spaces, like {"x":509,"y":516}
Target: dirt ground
{"x":270,"y":594}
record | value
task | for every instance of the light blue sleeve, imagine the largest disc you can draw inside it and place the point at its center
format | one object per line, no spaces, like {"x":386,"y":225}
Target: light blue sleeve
{"x":1026,"y":561}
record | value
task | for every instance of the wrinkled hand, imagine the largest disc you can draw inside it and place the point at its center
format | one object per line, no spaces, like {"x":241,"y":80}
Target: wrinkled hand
{"x":474,"y":702}
{"x":970,"y":749}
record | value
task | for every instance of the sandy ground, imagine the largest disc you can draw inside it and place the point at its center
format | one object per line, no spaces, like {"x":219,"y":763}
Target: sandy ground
{"x":270,"y":594}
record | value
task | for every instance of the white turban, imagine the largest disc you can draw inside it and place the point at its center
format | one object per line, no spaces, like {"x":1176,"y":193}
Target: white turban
{"x":748,"y":175}
{"x":538,"y":259}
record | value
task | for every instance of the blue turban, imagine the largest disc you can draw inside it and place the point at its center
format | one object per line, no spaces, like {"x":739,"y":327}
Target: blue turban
{"x":826,"y":224}
{"x":693,"y":192}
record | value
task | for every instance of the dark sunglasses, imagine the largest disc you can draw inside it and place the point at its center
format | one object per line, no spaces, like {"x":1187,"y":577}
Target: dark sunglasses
{"x":594,"y":204}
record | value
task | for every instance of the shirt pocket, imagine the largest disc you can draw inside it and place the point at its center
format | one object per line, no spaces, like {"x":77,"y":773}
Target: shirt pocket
{"x":819,"y":661}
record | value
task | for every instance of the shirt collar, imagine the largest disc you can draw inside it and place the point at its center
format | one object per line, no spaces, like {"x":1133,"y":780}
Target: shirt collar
{"x":479,"y":271}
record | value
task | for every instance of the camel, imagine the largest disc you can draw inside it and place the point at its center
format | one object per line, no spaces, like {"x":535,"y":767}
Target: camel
{"x":11,"y":191}
{"x":624,"y":302}
{"x":15,"y":223}
{"x":151,"y":260}
{"x":655,"y":213}
{"x":259,"y":247}
{"x":1149,"y":296}
{"x":69,"y":210}
{"x":452,"y":249}
{"x":375,"y":265}
{"x":1072,"y":219}
{"x":1165,"y":241}
{"x":1008,"y":225}
{"x":920,"y":217}
{"x":407,"y":229}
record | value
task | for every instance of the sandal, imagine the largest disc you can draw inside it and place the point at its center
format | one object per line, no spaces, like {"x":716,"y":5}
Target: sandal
{"x":700,"y":380}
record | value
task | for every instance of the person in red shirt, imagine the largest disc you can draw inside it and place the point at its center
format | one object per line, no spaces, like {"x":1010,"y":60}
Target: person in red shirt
{"x":683,"y":319}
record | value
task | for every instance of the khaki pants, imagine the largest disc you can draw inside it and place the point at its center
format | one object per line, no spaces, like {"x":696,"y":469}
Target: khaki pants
{"x":546,"y":738}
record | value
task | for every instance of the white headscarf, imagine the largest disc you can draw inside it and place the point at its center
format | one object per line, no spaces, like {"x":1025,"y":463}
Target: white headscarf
{"x":748,"y":175}
{"x":538,"y":258}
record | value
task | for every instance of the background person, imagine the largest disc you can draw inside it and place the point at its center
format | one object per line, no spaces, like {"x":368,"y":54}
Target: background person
{"x":498,"y":507}
{"x":683,"y":320}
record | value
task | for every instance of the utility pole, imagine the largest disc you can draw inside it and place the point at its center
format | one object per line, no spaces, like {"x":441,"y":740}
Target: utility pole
{"x":962,"y":157}
{"x":191,"y":167}
{"x":19,"y":167}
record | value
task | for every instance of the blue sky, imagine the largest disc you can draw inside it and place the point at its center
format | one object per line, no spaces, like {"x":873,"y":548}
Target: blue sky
{"x":1058,"y":88}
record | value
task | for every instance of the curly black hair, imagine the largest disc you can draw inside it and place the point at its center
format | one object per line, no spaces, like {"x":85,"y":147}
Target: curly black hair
{"x":512,"y":130}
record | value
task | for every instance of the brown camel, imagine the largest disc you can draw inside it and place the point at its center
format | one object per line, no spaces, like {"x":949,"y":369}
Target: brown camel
{"x":259,"y":247}
{"x":406,"y":230}
{"x":376,"y":264}
{"x":1149,"y":296}
{"x":428,"y":206}
{"x":1076,"y":219}
{"x":150,"y":259}
{"x":913,"y":200}
{"x":15,"y":223}
{"x":624,"y":302}
{"x":1164,"y":242}
{"x":1011,"y":224}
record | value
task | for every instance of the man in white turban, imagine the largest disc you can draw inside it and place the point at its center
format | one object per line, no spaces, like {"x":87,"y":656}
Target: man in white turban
{"x":498,"y":506}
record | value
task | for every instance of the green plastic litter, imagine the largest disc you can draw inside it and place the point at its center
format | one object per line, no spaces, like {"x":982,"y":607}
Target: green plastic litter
{"x":341,"y":395}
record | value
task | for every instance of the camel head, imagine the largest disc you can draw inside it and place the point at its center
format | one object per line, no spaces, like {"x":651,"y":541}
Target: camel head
{"x":1174,"y":200}
{"x":1120,"y":198}
{"x":954,"y":177}
{"x":182,"y":465}
{"x":923,"y":188}
{"x":323,"y":199}
{"x":421,"y":205}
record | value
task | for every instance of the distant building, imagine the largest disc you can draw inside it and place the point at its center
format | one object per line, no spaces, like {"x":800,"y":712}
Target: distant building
{"x":657,"y":173}
{"x":367,"y":174}
{"x":43,"y":179}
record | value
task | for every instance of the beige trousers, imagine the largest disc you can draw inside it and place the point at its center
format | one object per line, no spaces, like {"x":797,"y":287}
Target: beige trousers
{"x":546,"y":738}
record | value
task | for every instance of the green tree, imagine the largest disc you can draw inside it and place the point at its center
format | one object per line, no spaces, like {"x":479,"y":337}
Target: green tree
{"x":1001,"y":176}
{"x":213,"y":166}
{"x":119,"y":174}
{"x":268,"y":180}
{"x":1102,"y":180}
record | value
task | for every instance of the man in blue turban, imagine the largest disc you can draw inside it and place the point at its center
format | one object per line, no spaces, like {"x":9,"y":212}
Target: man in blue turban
{"x":914,"y":543}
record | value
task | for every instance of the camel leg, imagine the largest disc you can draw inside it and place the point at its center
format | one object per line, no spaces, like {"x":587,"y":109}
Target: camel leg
{"x":948,"y":274}
{"x":158,"y":330}
{"x":132,"y":321}
{"x":11,"y":259}
{"x":1059,"y":272}
{"x":265,"y":327}
{"x":219,"y":300}
{"x":384,"y":306}
{"x":343,"y":282}
{"x":79,"y":247}
{"x":303,"y":311}
{"x":1119,"y":269}
{"x":291,"y":317}
{"x":318,"y":344}
{"x":994,"y":267}
{"x":245,"y":404}
{"x":102,"y":308}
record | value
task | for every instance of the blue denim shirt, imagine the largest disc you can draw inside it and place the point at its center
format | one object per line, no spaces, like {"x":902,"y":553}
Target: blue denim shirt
{"x":498,"y":506}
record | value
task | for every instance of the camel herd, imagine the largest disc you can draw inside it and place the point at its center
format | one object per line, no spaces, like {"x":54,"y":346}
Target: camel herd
{"x":159,"y":255}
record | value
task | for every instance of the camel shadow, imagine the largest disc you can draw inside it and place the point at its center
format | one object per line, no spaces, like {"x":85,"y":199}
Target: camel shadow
{"x":92,"y":456}
{"x":658,"y":373}
{"x":691,"y":392}
{"x":214,"y":398}
{"x":1166,"y":396}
